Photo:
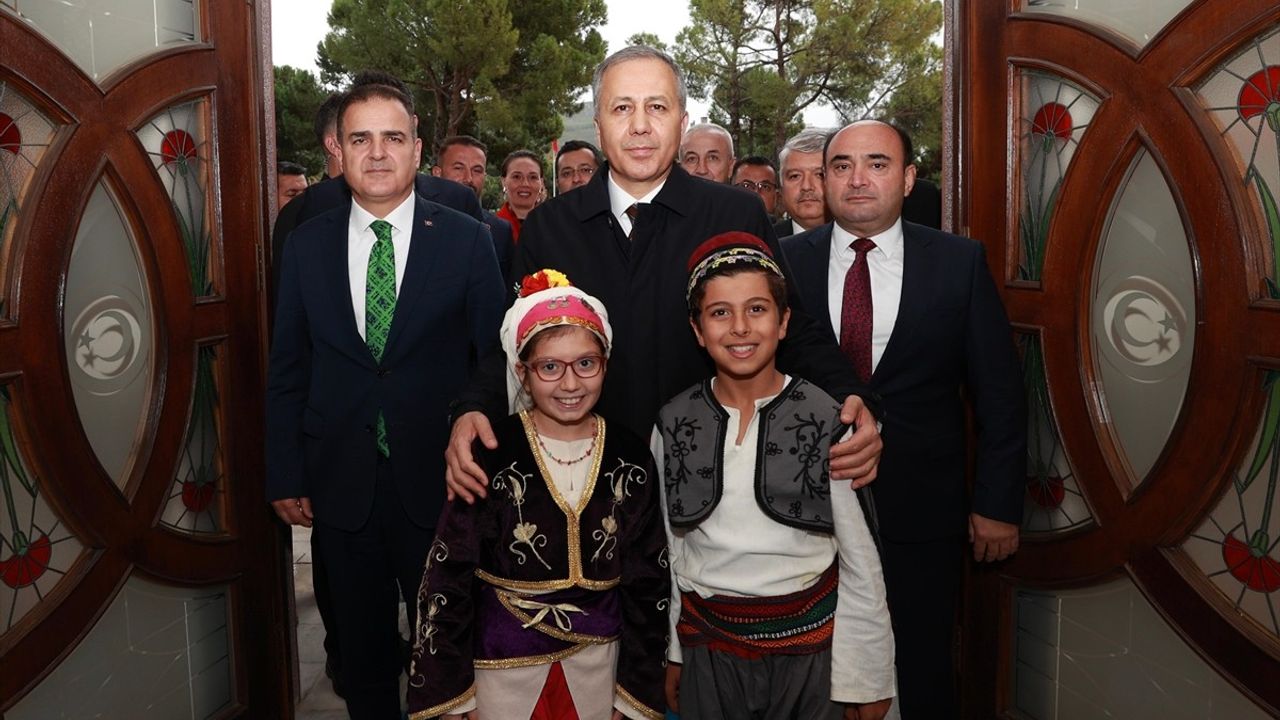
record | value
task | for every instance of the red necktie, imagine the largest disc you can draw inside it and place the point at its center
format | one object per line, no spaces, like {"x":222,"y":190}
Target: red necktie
{"x":855,"y":311}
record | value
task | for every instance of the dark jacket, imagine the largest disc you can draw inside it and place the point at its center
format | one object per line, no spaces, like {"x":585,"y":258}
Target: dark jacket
{"x":324,"y":389}
{"x":642,"y":284}
{"x":951,"y":333}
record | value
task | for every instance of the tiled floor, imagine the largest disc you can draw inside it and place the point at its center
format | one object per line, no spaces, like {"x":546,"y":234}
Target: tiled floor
{"x":318,"y":699}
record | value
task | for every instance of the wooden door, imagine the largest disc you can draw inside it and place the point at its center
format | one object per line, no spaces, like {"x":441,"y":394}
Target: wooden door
{"x":140,"y":572}
{"x":1119,"y":159}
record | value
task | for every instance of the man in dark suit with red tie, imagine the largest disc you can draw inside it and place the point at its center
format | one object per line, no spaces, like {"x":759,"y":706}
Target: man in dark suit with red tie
{"x":383,"y":302}
{"x":918,"y":313}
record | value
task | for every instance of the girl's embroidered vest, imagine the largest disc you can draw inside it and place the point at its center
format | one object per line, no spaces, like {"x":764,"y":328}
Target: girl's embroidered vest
{"x":796,"y":431}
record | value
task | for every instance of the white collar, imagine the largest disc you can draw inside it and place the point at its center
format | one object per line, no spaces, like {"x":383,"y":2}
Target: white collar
{"x":889,"y":241}
{"x":620,"y":200}
{"x":401,"y":217}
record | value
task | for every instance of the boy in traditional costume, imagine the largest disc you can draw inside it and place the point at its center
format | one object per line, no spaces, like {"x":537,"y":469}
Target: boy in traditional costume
{"x":531,"y":599}
{"x":778,"y":604}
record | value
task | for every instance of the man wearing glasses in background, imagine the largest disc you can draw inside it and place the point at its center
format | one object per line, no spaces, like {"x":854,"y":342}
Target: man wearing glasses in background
{"x":757,"y":174}
{"x":576,"y":162}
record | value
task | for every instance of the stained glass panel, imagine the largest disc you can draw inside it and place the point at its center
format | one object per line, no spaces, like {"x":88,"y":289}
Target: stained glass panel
{"x":1054,"y":501}
{"x":36,"y":549}
{"x":1237,"y":544}
{"x":1105,"y":652}
{"x":1055,"y":116}
{"x":1143,"y":315}
{"x":24,"y":136}
{"x":108,"y":326}
{"x":1138,"y":20}
{"x":1243,"y":98}
{"x":156,"y":652}
{"x":195,"y":501}
{"x":178,"y":142}
{"x":102,"y":35}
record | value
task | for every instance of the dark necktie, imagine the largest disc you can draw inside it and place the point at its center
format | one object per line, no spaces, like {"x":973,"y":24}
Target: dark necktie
{"x":380,"y":305}
{"x":632,"y":212}
{"x":855,"y":311}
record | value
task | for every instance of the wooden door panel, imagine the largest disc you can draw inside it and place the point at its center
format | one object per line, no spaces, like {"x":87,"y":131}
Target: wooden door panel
{"x":1185,"y":519}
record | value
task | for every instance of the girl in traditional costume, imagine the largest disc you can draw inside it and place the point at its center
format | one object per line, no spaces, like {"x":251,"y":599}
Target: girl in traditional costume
{"x":548,"y":599}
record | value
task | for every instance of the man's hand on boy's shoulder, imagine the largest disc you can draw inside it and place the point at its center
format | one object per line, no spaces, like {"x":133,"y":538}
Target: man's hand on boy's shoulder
{"x":868,"y":711}
{"x":858,"y":457}
{"x":463,"y":476}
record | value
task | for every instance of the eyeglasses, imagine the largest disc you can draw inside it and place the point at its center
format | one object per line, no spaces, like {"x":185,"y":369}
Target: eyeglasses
{"x":552,"y":369}
{"x":569,"y":172}
{"x":762,"y":186}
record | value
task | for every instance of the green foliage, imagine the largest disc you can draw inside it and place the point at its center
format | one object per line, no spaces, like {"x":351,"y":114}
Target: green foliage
{"x":763,"y":62}
{"x":298,"y":96}
{"x":504,"y":70}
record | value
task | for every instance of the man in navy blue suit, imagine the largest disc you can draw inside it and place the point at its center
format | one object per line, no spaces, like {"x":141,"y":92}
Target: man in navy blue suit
{"x":918,"y":313}
{"x":382,"y":304}
{"x":465,"y":160}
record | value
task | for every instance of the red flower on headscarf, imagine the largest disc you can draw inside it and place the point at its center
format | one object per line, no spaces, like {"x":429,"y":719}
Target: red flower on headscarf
{"x":542,"y":280}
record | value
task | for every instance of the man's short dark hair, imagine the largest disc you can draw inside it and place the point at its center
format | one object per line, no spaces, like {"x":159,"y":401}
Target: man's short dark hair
{"x":327,"y":117}
{"x":575,"y":145}
{"x":371,"y":91}
{"x":755,"y":161}
{"x":516,"y":154}
{"x":463,"y":140}
{"x":284,"y":167}
{"x":378,"y":77}
{"x":908,"y":150}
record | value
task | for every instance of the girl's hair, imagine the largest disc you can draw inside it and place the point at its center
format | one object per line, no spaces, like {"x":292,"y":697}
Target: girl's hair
{"x":554,"y":331}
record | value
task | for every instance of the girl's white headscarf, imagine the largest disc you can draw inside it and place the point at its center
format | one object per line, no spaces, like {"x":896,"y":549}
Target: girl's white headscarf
{"x":547,"y":300}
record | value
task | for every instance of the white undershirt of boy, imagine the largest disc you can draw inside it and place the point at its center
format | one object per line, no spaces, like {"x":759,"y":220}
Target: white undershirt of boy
{"x":737,"y":550}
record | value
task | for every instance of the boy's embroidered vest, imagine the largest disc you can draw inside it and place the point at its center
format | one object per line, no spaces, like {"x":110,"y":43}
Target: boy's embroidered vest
{"x":792,"y":484}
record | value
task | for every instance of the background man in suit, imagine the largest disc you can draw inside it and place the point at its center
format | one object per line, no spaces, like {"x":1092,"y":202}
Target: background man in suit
{"x":626,"y":237}
{"x":291,"y":181}
{"x":324,"y":196}
{"x":800,"y":166}
{"x":707,"y":152}
{"x":757,"y":174}
{"x":918,"y":313}
{"x":464,"y":160}
{"x":382,"y":303}
{"x":576,"y":162}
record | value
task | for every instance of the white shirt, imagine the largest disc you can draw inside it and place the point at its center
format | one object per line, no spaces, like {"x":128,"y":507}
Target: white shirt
{"x":738,"y":550}
{"x":360,"y":240}
{"x":795,"y":227}
{"x":620,"y":200}
{"x":885,"y":266}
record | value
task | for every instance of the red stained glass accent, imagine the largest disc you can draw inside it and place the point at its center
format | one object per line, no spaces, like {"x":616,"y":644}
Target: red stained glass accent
{"x":26,"y":566}
{"x":1260,"y":93}
{"x":197,"y":496}
{"x":1052,"y":120}
{"x":177,"y":145}
{"x":10,"y":137}
{"x":1258,"y":572}
{"x":1047,"y":493}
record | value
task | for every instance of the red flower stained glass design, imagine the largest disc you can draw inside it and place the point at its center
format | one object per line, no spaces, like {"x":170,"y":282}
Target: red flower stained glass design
{"x":177,"y":145}
{"x":197,"y":496}
{"x":28,"y":564}
{"x":1251,"y":565}
{"x":1054,"y":500}
{"x":1260,"y":95}
{"x":1046,"y":492}
{"x":10,"y":136}
{"x":1056,"y":116}
{"x":1052,"y":122}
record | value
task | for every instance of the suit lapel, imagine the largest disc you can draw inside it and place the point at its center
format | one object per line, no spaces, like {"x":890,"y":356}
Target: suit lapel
{"x":918,"y":283}
{"x":422,"y":254}
{"x":812,"y":278}
{"x":337,"y":284}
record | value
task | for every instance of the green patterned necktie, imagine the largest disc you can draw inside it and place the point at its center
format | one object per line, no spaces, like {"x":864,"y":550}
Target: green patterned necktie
{"x":380,"y":305}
